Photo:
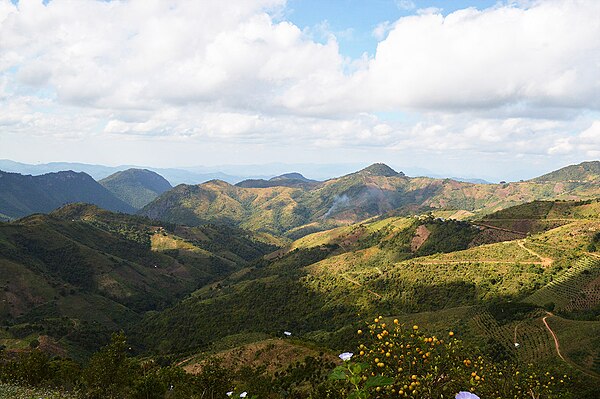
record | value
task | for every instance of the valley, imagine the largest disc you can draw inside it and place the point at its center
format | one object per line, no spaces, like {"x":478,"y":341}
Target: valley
{"x":218,"y":272}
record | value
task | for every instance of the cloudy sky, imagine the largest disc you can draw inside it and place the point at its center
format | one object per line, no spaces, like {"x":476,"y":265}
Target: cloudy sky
{"x":471,"y":88}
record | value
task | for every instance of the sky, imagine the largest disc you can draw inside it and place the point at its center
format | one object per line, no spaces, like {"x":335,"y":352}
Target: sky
{"x":492,"y":89}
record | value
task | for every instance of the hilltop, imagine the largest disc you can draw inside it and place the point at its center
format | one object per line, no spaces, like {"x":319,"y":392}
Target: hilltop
{"x":22,"y":195}
{"x":583,"y":172}
{"x":286,"y":180}
{"x":302,"y":208}
{"x":137,"y":187}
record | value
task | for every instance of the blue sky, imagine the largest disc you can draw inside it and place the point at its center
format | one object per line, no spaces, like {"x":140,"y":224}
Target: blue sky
{"x":498,"y":90}
{"x":355,"y":20}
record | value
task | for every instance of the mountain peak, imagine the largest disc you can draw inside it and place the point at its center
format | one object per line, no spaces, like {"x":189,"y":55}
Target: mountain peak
{"x":292,"y":176}
{"x":380,"y":169}
{"x":137,"y":187}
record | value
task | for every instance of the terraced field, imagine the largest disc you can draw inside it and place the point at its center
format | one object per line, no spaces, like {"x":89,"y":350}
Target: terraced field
{"x":577,"y":288}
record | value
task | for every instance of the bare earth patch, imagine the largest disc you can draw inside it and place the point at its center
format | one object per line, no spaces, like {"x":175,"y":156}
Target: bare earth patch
{"x":421,"y":235}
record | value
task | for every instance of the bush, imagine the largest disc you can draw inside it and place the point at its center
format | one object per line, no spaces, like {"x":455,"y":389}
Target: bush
{"x":395,"y":361}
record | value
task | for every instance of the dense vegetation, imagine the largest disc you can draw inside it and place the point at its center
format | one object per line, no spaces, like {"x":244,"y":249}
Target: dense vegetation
{"x":392,"y":361}
{"x":81,"y":272}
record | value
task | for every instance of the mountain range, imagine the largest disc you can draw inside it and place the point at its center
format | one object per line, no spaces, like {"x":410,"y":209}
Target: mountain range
{"x":295,"y":206}
{"x":216,"y":268}
{"x":289,"y":203}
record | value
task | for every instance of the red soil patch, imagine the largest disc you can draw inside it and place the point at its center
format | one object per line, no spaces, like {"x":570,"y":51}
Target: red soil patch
{"x":421,"y":235}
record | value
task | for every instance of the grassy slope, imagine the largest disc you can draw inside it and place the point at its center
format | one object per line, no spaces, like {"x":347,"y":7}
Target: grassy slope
{"x":83,"y":266}
{"x":475,"y":291}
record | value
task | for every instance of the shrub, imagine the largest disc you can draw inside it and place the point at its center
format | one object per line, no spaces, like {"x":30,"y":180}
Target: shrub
{"x":395,"y":361}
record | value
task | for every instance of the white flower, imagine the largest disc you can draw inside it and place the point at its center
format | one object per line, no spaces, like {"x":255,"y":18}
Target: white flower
{"x":346,"y":356}
{"x":287,"y":333}
{"x":466,"y":395}
{"x":229,"y":393}
{"x":243,"y":394}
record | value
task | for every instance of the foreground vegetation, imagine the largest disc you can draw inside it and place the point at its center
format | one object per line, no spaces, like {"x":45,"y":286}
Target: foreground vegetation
{"x":391,"y":360}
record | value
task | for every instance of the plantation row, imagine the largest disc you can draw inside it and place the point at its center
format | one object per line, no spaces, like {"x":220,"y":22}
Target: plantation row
{"x":567,"y":292}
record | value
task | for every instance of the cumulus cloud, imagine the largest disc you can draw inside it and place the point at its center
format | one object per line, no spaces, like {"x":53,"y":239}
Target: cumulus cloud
{"x":514,"y":77}
{"x":546,"y":55}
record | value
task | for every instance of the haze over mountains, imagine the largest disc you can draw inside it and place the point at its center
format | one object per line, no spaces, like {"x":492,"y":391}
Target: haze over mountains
{"x":229,"y":173}
{"x":289,"y":202}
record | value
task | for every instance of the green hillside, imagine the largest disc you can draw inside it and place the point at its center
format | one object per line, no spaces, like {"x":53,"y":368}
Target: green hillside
{"x":302,"y":209}
{"x":492,"y":287}
{"x":83,"y":271}
{"x":22,"y":195}
{"x":186,"y":293}
{"x":137,"y":187}
{"x":584,"y":172}
{"x":351,"y":271}
{"x":539,"y":216}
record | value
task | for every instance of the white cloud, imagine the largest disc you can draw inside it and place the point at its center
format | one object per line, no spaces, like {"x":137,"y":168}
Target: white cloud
{"x":517,"y":77}
{"x":381,"y":30}
{"x":545,"y":55}
{"x":405,"y":4}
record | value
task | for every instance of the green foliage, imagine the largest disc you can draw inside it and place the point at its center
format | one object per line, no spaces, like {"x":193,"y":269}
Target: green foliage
{"x":109,"y":373}
{"x":447,"y":236}
{"x":82,"y":272}
{"x":395,"y":361}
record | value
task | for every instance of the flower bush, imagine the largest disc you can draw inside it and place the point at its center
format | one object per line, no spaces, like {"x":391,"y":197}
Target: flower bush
{"x":398,"y":361}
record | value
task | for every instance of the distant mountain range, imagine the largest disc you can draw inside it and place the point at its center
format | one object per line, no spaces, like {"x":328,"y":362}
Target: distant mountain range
{"x":285,"y":180}
{"x":98,"y":172}
{"x":295,"y":207}
{"x":289,"y":203}
{"x":200,"y":174}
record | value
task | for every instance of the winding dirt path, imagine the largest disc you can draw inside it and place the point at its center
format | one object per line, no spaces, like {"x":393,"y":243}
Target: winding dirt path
{"x":556,"y":343}
{"x":444,"y":262}
{"x":546,"y":262}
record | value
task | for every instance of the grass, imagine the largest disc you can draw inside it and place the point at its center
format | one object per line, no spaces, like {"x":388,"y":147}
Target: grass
{"x":579,"y":341}
{"x":9,"y":391}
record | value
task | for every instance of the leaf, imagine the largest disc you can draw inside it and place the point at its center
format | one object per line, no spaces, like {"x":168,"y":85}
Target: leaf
{"x":358,"y":395}
{"x":378,"y":381}
{"x":338,"y":374}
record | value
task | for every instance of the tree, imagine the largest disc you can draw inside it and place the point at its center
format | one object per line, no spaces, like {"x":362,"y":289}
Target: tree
{"x":110,"y":372}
